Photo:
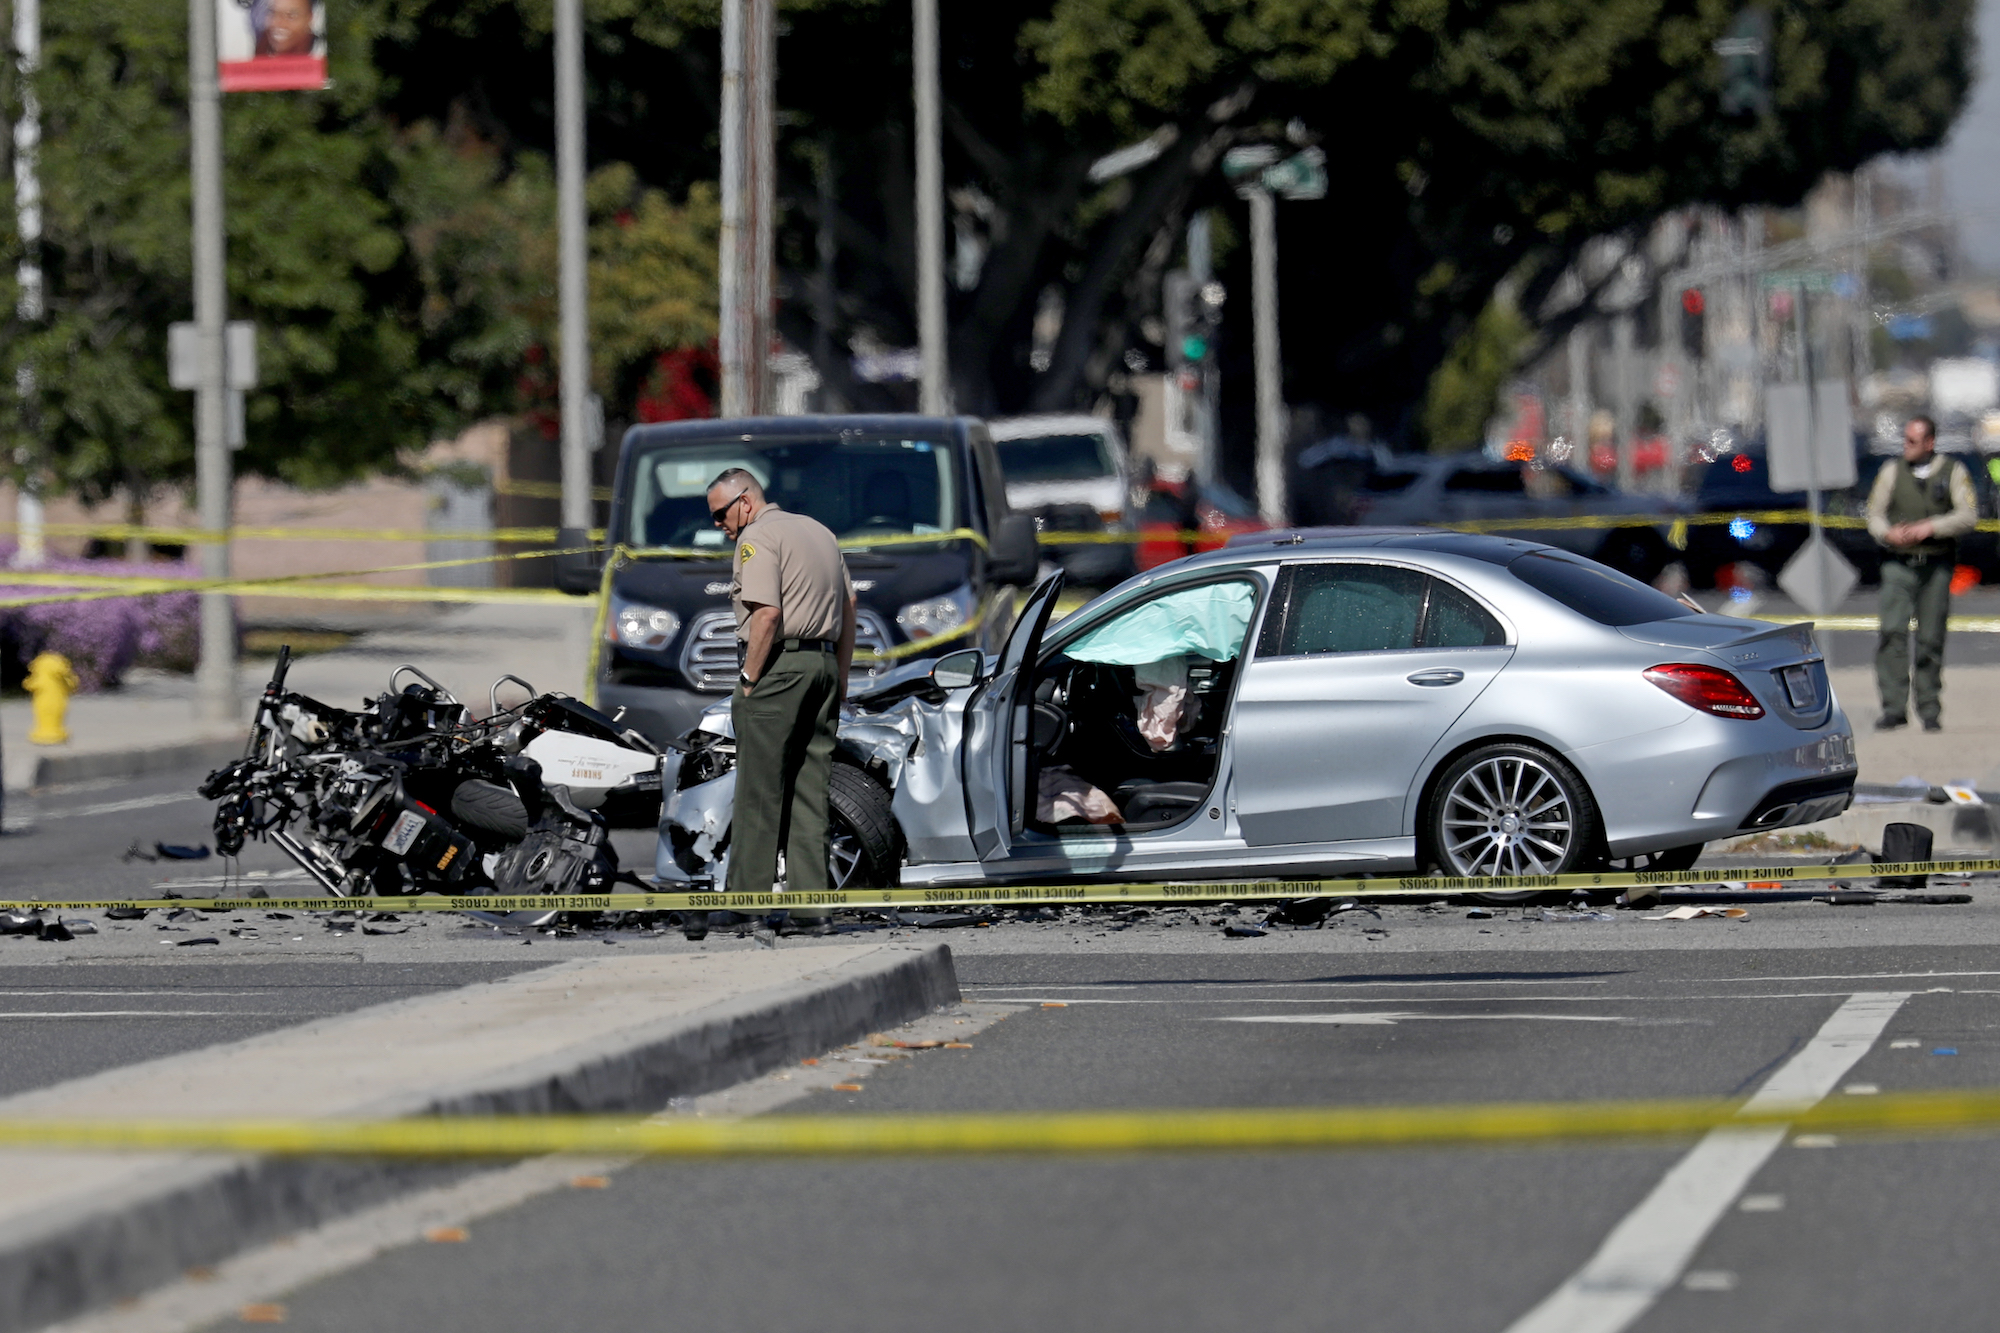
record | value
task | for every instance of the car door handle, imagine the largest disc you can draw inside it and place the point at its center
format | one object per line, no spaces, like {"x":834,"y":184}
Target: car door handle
{"x":1438,"y":676}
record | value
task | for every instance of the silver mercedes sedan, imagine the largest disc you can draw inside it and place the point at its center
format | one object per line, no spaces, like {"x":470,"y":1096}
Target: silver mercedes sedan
{"x":1377,"y":700}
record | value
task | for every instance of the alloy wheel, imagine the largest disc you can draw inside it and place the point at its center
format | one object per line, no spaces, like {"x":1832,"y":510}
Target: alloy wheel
{"x":1507,"y":815}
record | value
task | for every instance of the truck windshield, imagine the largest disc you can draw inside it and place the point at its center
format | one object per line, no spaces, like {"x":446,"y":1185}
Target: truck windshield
{"x":1056,"y":458}
{"x":858,"y":485}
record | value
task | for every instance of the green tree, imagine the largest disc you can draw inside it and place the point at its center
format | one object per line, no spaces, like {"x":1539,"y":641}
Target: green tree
{"x":399,"y":275}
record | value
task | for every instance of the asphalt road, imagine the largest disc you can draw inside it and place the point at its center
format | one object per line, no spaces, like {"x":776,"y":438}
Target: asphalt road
{"x":1859,"y":1235}
{"x":1411,"y":1003}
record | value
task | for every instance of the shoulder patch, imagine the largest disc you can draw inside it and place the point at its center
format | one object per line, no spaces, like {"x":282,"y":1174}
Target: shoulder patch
{"x":748,"y":551}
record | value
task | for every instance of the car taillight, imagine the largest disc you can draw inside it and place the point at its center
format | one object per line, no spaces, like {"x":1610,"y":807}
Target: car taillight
{"x":1710,"y":689}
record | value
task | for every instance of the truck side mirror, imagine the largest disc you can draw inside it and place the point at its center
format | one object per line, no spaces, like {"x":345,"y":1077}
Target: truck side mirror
{"x":1015,"y":555}
{"x":580,"y":572}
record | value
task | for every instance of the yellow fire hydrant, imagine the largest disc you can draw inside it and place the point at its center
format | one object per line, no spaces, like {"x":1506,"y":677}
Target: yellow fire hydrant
{"x":51,"y":681}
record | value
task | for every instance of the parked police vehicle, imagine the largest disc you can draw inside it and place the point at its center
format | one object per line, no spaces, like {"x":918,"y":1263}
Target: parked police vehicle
{"x":918,"y":503}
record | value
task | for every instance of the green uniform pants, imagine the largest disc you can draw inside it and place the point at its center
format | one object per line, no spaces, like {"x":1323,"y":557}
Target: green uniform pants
{"x":1922,"y":591}
{"x":784,"y":760}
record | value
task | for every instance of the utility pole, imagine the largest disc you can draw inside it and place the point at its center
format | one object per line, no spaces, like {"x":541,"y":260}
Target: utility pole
{"x":1201,"y":267}
{"x":1272,"y":502}
{"x":215,"y":670}
{"x":934,"y":396}
{"x":573,"y":241}
{"x":749,"y":196}
{"x":1260,"y":176}
{"x":29,"y":549}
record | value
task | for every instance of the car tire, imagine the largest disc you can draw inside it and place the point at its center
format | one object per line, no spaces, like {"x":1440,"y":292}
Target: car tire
{"x":1509,"y":809}
{"x":865,"y":848}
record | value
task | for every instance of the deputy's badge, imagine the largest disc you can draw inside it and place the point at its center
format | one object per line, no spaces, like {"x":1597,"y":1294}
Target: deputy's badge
{"x":748,"y":551}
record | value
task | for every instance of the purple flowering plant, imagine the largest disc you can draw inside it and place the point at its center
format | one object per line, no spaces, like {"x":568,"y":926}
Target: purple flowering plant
{"x":103,"y":638}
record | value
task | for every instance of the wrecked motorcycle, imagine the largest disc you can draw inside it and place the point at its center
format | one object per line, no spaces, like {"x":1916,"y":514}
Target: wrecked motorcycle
{"x":414,"y":794}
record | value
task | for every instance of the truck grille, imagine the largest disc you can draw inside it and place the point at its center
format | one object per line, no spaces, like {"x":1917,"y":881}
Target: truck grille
{"x":708,"y":653}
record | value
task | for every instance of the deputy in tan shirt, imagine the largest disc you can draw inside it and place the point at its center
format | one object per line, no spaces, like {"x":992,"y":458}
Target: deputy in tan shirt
{"x":795,"y":622}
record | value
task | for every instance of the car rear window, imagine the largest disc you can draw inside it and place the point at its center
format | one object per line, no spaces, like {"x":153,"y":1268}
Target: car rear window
{"x":1056,"y":458}
{"x":1594,"y":590}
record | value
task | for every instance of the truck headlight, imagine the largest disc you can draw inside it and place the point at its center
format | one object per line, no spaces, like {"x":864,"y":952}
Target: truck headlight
{"x":637,"y":625}
{"x":938,"y":615}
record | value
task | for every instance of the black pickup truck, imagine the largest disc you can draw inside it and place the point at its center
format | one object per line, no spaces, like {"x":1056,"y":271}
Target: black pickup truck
{"x":920,"y":503}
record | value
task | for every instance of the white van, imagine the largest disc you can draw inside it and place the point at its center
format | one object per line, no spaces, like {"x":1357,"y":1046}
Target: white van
{"x":1071,"y":473}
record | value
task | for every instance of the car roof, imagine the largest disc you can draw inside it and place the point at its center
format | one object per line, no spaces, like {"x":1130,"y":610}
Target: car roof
{"x":1077,"y":423}
{"x":746,"y":428}
{"x":1292,"y":542}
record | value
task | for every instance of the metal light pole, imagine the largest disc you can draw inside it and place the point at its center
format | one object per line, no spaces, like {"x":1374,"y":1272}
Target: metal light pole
{"x":572,"y":240}
{"x":934,"y":398}
{"x":1272,"y":502}
{"x":749,"y":178}
{"x":1201,"y":267}
{"x":215,"y":671}
{"x":29,"y":550}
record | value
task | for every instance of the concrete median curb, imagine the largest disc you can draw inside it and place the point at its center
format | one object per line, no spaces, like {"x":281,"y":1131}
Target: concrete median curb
{"x":52,"y":769}
{"x":620,"y":1035}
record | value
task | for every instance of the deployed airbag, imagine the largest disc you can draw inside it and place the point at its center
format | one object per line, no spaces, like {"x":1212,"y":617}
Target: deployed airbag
{"x":1209,"y":621}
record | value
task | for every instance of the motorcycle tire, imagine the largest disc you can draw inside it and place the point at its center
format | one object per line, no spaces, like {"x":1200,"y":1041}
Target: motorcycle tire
{"x":867,"y":847}
{"x":490,"y":808}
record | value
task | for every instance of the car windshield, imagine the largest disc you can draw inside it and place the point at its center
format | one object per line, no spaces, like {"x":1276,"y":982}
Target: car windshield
{"x":858,"y":485}
{"x":1056,"y":458}
{"x":1594,"y":590}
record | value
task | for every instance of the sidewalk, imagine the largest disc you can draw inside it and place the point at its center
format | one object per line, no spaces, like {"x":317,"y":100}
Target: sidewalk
{"x":151,"y":723}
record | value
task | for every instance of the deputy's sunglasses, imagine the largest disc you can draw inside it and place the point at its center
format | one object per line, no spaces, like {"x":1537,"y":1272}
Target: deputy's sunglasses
{"x":721,"y":515}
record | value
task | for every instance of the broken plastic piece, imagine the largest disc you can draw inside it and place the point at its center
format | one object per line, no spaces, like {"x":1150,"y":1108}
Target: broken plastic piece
{"x":1548,"y":915}
{"x":56,"y":930}
{"x":1479,"y":914}
{"x":446,"y":1235}
{"x":199,"y":939}
{"x":180,"y":852}
{"x":847,"y":1087}
{"x":1243,"y":932}
{"x":1691,"y":913}
{"x":124,"y":914}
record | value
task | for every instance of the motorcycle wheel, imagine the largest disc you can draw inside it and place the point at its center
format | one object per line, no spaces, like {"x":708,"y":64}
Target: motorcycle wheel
{"x":865,"y":849}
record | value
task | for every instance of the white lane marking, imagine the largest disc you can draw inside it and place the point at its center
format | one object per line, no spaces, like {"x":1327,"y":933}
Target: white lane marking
{"x":115,"y":807}
{"x":1647,"y":1252}
{"x":146,"y":1013}
{"x":51,"y":991}
{"x":1459,"y":999}
{"x":1391,"y":1019}
{"x":1761,"y":1203}
{"x":1304,"y":985}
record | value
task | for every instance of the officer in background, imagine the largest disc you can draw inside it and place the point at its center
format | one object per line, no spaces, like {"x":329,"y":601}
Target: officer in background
{"x":1918,"y":508}
{"x":795,"y":626}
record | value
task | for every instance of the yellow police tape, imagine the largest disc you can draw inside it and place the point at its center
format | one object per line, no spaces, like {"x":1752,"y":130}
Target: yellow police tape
{"x":158,"y":536}
{"x":1016,"y":895}
{"x":1228,"y":1130}
{"x":100,"y":586}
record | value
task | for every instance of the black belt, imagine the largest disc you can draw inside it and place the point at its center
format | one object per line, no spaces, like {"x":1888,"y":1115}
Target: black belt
{"x":811,"y":645}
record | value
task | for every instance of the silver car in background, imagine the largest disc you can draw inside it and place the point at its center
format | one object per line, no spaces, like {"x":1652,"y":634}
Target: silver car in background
{"x":1383,"y":700}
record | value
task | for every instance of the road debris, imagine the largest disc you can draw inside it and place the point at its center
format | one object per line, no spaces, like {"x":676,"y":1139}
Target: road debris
{"x":1693,"y":913}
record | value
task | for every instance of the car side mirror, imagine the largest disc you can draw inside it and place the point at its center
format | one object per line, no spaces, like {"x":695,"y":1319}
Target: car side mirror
{"x":1015,"y":555}
{"x":579,"y":572}
{"x":959,"y":670}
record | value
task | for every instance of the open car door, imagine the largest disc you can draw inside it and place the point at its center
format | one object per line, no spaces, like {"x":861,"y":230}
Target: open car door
{"x":995,"y":752}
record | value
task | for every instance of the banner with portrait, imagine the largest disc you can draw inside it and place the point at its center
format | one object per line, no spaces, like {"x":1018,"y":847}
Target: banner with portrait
{"x":270,"y":45}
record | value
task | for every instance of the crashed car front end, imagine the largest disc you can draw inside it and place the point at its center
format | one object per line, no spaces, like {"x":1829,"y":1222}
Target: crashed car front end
{"x":904,"y":734}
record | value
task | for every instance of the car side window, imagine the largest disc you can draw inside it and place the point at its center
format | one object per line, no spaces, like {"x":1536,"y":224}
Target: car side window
{"x":1360,"y":608}
{"x":1345,"y":608}
{"x":1454,"y":620}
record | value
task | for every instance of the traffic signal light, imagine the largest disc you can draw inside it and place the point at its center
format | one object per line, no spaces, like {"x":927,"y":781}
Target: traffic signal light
{"x":1694,"y":309}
